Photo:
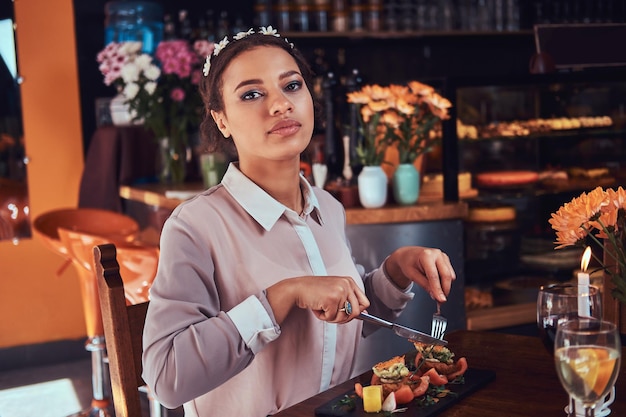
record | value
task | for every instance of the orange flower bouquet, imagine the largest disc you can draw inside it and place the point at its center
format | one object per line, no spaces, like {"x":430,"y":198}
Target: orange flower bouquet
{"x":404,"y":115}
{"x":599,"y":216}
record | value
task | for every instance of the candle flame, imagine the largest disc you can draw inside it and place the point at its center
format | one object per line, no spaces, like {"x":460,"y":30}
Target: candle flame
{"x":584,"y":262}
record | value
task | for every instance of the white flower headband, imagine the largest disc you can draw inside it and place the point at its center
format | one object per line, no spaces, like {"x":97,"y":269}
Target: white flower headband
{"x":222,"y":44}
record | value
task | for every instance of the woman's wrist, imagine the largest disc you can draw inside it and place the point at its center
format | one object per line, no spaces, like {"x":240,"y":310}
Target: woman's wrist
{"x":280,"y":298}
{"x":392,"y":270}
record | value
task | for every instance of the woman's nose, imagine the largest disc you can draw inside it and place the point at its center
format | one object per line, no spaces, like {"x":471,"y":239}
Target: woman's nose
{"x":281,"y":105}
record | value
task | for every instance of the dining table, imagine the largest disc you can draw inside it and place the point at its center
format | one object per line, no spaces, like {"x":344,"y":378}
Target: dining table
{"x":525,"y":382}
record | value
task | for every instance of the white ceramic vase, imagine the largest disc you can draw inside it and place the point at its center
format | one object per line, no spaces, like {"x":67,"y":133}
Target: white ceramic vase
{"x":372,"y":182}
{"x":121,"y":114}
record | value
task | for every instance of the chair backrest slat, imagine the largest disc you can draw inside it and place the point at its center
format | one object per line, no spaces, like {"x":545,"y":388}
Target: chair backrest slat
{"x":123,"y":329}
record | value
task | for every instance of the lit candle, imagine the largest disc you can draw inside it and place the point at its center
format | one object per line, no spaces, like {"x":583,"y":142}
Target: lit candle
{"x":584,"y":308}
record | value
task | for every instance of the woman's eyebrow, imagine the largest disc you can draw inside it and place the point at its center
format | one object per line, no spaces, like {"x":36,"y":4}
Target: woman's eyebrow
{"x":282,"y":76}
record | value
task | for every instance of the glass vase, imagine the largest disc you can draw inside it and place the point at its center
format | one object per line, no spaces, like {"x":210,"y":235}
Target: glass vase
{"x":173,"y":161}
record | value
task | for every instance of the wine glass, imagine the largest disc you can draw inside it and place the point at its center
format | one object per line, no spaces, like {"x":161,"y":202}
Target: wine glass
{"x":557,"y":303}
{"x":587,"y":355}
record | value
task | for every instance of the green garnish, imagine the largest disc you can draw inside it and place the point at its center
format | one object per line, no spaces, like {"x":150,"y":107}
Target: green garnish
{"x":347,"y":403}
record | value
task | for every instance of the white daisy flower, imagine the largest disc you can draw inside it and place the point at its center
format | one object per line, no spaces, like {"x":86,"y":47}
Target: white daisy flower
{"x":130,"y":90}
{"x":207,"y":66}
{"x":143,"y":61}
{"x":152,"y":72}
{"x":269,"y":31}
{"x":221,"y":45}
{"x":130,"y":73}
{"x":242,"y":35}
{"x":150,"y":87}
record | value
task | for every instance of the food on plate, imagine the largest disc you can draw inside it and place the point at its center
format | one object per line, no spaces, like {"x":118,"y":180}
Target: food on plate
{"x":506,"y":178}
{"x":441,"y":359}
{"x":491,"y":213}
{"x":372,"y":398}
{"x":407,"y":380}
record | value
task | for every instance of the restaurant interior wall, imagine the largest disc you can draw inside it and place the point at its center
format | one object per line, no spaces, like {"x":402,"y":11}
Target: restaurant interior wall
{"x":37,"y":306}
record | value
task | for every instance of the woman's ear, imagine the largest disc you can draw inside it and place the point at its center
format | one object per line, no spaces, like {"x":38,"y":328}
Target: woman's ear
{"x":218,"y":117}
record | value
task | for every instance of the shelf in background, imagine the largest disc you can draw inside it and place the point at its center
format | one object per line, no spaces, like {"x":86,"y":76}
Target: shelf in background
{"x":502,"y":316}
{"x":365,"y":34}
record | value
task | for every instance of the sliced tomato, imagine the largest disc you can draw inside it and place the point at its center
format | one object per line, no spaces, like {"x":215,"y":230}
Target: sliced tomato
{"x":404,"y":395}
{"x":461,"y":366}
{"x":358,"y":389}
{"x":375,"y":380}
{"x":436,"y":378}
{"x":415,"y":376}
{"x":418,"y":360}
{"x":421,"y":389}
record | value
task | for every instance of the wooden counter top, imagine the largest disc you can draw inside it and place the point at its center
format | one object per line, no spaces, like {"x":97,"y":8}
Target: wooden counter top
{"x":402,"y":214}
{"x":160,"y":195}
{"x":168,"y":197}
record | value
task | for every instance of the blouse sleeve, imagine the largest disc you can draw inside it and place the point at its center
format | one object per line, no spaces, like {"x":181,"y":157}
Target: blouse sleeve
{"x":190,"y":345}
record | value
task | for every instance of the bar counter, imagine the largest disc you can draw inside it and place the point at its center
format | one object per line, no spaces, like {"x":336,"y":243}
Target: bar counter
{"x":526,"y":384}
{"x":168,"y":197}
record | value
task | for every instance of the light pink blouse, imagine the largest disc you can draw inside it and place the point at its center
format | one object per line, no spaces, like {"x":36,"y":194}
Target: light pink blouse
{"x":211,"y":341}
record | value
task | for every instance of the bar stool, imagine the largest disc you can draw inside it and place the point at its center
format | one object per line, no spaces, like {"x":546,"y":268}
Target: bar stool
{"x":108,"y":225}
{"x":137,"y":264}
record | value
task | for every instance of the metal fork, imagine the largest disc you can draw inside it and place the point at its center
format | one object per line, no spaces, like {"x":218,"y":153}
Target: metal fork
{"x":439,"y":325}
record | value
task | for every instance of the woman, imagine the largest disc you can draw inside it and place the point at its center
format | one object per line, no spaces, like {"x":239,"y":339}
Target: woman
{"x":252,"y":308}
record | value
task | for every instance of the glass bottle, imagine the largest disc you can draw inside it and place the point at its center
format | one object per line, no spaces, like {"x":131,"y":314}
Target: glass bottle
{"x":320,"y":15}
{"x":283,"y":21}
{"x":301,"y":12}
{"x":169,"y":28}
{"x":210,"y":25}
{"x":263,"y":12}
{"x":357,"y":10}
{"x":184,"y":25}
{"x":340,"y":15}
{"x":373,"y":15}
{"x":223,"y":25}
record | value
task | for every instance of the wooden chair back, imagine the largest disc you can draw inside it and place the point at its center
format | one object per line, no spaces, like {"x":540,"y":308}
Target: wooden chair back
{"x":123,"y":330}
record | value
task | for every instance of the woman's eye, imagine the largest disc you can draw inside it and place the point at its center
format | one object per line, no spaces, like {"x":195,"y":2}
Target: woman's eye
{"x":294,"y":86}
{"x":251,"y":95}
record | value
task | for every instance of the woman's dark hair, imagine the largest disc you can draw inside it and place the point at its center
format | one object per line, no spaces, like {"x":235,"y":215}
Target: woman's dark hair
{"x":211,"y":86}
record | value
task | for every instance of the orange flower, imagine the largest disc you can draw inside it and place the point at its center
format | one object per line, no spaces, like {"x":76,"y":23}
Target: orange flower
{"x":438,"y":105}
{"x":421,"y":89}
{"x":599,"y":216}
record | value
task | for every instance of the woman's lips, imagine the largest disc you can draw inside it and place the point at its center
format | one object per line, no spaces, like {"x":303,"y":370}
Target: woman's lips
{"x":285,"y":128}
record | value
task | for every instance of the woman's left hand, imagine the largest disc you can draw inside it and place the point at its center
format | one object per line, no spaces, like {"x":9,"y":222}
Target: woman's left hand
{"x":430,"y":268}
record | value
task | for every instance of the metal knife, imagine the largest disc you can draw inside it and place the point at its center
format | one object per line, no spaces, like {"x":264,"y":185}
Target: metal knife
{"x":402,"y":331}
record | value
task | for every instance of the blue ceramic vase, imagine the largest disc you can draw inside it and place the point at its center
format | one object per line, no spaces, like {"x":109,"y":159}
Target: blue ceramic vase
{"x":406,"y":184}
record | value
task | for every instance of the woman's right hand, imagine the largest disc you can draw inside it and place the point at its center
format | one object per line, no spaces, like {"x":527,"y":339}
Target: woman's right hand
{"x":325,"y":296}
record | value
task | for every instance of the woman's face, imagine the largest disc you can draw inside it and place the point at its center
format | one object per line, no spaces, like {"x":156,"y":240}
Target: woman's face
{"x":268,"y":109}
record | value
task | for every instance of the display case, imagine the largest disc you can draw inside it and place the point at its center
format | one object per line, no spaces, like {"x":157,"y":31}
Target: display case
{"x":530,"y":144}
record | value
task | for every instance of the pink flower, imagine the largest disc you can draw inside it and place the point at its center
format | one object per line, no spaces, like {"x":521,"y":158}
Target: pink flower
{"x":176,"y":57}
{"x":196,"y":76}
{"x":203,"y":48}
{"x":177,"y":94}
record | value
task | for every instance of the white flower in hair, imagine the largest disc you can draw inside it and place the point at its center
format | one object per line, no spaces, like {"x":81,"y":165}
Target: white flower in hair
{"x":290,"y":43}
{"x":221,"y":45}
{"x":207,"y":66}
{"x":269,"y":31}
{"x":242,"y":35}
